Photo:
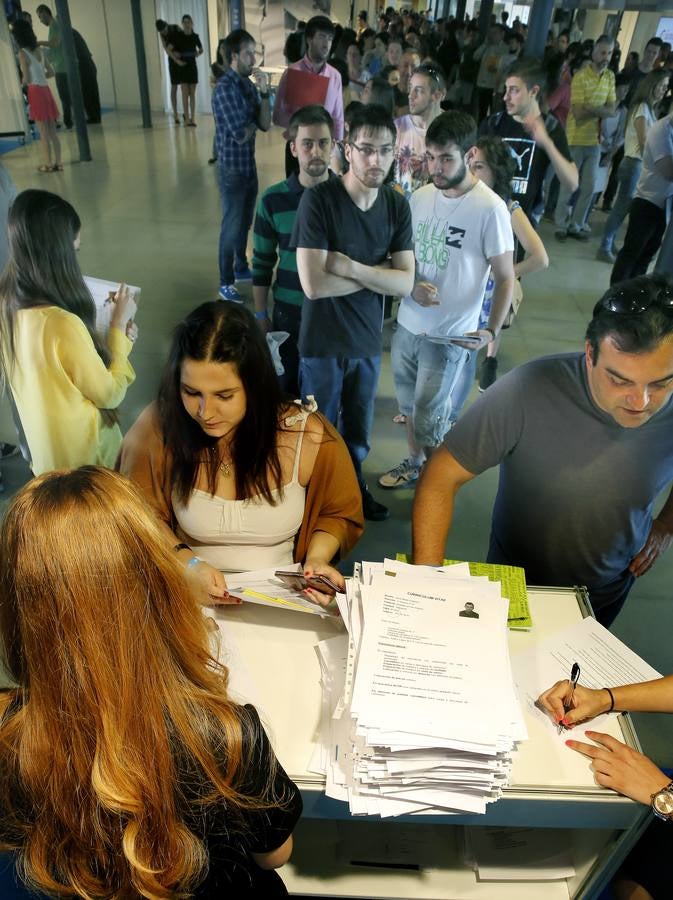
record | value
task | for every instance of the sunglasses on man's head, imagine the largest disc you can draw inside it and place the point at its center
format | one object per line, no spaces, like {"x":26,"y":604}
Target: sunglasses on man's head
{"x":630,"y":302}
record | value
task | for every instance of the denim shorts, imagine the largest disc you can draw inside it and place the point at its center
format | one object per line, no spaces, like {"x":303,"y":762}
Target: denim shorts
{"x":425,"y":374}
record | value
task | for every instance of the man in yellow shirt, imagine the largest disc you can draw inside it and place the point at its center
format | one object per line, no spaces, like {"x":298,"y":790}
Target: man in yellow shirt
{"x":592,"y":99}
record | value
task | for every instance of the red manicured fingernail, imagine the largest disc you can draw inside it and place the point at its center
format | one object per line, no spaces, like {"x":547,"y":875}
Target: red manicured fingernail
{"x":569,"y":743}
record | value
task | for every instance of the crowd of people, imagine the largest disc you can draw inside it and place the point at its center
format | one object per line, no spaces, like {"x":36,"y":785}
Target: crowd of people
{"x":452,"y":153}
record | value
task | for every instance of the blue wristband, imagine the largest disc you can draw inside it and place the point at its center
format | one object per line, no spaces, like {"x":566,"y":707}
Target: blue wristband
{"x":195,"y":560}
{"x":261,"y":314}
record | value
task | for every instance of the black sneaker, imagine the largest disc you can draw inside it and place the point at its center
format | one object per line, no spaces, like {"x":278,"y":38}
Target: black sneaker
{"x":372,"y":509}
{"x":488,"y":373}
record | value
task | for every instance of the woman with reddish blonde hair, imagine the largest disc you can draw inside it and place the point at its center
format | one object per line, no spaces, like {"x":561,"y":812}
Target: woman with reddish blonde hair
{"x":125,"y":769}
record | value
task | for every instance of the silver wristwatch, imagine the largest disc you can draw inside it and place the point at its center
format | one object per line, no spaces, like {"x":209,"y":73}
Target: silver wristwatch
{"x":662,"y":803}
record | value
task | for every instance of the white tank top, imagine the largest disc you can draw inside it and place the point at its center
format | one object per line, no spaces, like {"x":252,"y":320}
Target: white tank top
{"x":241,"y":535}
{"x":35,"y":68}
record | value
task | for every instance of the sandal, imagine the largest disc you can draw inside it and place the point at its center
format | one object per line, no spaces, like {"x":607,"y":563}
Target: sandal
{"x":44,"y":169}
{"x":400,"y":419}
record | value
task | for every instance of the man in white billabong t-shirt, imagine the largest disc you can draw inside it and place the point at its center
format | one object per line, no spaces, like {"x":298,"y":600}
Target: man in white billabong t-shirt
{"x":462,"y":230}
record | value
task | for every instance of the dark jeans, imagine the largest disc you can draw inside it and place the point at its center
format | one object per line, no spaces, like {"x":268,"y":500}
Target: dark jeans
{"x":344,"y":390}
{"x":611,"y":187}
{"x":88,"y":77}
{"x":238,"y":193}
{"x":64,"y":93}
{"x":643,"y":237}
{"x":287,"y":317}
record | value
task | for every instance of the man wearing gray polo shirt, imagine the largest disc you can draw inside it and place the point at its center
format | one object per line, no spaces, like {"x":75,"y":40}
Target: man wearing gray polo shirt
{"x":647,"y":214}
{"x":584,"y":442}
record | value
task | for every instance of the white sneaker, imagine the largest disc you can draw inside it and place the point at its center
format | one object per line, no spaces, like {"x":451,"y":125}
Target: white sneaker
{"x":403,"y":475}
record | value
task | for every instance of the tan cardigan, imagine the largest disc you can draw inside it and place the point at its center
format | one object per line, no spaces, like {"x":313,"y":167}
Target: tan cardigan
{"x":333,"y":499}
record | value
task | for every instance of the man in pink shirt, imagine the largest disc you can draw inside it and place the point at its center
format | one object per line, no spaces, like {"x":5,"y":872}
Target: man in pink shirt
{"x":319,"y":34}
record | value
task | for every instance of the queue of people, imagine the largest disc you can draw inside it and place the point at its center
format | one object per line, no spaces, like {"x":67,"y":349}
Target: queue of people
{"x":233,"y":468}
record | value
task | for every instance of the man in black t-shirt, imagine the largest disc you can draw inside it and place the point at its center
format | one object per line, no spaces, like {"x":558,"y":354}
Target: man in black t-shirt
{"x":535,"y":142}
{"x":354,"y":244}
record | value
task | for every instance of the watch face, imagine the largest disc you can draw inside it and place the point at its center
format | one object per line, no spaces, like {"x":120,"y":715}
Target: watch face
{"x":663,"y":803}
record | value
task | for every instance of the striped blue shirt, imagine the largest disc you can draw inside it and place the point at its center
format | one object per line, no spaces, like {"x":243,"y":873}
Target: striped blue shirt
{"x":235,"y":106}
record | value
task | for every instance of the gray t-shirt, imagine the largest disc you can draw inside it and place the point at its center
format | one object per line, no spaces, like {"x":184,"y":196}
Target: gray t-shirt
{"x":575,"y":495}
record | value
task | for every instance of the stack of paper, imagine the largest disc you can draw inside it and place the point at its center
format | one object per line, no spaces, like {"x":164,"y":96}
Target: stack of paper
{"x":420,"y":712}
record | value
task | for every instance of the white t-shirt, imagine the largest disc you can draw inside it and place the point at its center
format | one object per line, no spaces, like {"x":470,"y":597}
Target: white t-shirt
{"x":659,"y":144}
{"x":411,"y":168}
{"x":631,"y":145}
{"x":454,"y":240}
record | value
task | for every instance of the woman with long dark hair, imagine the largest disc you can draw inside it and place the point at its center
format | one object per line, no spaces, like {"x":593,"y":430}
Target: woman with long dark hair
{"x":190,"y":49}
{"x":241,"y":478}
{"x":125,"y":768}
{"x":41,"y":104}
{"x":65,"y":379}
{"x":491,"y":161}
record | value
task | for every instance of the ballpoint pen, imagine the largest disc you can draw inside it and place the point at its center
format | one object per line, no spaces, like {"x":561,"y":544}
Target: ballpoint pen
{"x":567,"y":705}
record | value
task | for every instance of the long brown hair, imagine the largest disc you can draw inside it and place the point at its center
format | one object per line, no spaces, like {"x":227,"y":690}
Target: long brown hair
{"x":117,"y":694}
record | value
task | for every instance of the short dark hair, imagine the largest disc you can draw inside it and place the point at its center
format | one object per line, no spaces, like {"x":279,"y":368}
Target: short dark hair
{"x":371,"y":117}
{"x":382,"y":93}
{"x":43,"y":8}
{"x":501,"y":162}
{"x":313,"y":114}
{"x":633,"y":332}
{"x":160,"y":25}
{"x":530,"y":72}
{"x":383,"y":37}
{"x":319,"y":23}
{"x":432,"y":72}
{"x":234,"y":41}
{"x":604,"y":39}
{"x":657,"y":41}
{"x":452,"y":127}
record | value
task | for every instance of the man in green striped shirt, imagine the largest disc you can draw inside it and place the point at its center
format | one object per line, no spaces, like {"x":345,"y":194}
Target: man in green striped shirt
{"x":310,"y":133}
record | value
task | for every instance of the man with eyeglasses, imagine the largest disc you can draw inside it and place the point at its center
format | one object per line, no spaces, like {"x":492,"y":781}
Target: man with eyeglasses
{"x":426,"y":92}
{"x":354,"y":244}
{"x":584,"y":442}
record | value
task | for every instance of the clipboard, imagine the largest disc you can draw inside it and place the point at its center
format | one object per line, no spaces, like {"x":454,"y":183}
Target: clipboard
{"x":304,"y":88}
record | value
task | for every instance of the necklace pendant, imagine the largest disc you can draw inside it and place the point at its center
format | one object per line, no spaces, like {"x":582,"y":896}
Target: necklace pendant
{"x":224,"y":468}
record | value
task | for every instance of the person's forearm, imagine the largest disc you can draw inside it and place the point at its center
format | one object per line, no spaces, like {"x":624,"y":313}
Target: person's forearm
{"x":650,"y":696}
{"x":384,"y":279}
{"x":325,"y":284}
{"x":264,"y":115}
{"x":322,"y":548}
{"x":502,"y":299}
{"x":260,"y":296}
{"x":564,"y":169}
{"x":432,"y":513}
{"x":604,"y":112}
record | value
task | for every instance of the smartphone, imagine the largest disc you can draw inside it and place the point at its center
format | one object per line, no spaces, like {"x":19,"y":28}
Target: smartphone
{"x":297,"y":581}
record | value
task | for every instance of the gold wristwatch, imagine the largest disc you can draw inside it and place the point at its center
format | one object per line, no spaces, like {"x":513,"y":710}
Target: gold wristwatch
{"x":662,"y":803}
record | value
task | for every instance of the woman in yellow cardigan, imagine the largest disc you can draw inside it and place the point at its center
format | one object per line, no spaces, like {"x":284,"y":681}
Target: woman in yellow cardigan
{"x":65,"y":380}
{"x":241,"y":477}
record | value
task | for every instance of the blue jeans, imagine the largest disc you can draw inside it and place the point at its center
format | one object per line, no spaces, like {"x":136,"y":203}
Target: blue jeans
{"x":344,"y":390}
{"x":586,"y":159}
{"x":627,"y":179}
{"x":238,"y":193}
{"x":425,"y":374}
{"x":463,"y":386}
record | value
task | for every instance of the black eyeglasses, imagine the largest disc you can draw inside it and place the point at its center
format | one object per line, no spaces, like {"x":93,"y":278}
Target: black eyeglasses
{"x":630,"y":302}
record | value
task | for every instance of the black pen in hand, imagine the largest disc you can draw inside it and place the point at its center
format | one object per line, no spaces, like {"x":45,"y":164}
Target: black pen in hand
{"x":567,"y":705}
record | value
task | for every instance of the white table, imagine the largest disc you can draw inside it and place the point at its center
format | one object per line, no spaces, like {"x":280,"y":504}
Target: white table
{"x":274,"y":665}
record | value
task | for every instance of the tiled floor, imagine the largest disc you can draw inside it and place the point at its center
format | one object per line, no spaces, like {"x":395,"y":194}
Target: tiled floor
{"x":150,"y":211}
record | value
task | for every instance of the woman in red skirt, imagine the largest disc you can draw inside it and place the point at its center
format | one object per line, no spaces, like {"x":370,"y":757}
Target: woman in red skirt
{"x":41,"y":104}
